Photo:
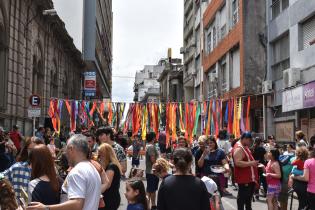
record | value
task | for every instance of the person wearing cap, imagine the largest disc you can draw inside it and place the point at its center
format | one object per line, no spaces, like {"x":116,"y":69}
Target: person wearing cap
{"x":16,"y":137}
{"x":245,"y":169}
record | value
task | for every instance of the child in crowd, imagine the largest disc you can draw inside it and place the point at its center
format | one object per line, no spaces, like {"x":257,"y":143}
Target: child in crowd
{"x":161,"y":167}
{"x":301,"y":154}
{"x":136,"y":147}
{"x":51,"y":146}
{"x":136,"y":196}
{"x":273,"y":178}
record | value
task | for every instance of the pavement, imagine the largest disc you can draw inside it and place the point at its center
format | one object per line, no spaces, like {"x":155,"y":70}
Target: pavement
{"x":229,"y":203}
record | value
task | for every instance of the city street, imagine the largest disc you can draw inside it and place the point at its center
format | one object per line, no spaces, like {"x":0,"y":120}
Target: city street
{"x":232,"y":80}
{"x":229,"y":203}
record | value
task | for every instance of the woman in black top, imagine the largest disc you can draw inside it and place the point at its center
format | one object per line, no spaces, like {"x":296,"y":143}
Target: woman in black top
{"x":44,"y":187}
{"x":259,"y":153}
{"x":110,"y":163}
{"x":191,"y":190}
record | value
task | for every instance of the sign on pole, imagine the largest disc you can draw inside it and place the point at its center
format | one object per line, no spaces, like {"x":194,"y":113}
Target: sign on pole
{"x":33,"y":112}
{"x":90,"y":83}
{"x":34,"y":100}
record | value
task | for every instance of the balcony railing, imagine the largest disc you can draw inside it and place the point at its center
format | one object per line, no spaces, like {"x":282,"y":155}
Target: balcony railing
{"x":212,"y":93}
{"x":189,"y":27}
{"x":224,"y":87}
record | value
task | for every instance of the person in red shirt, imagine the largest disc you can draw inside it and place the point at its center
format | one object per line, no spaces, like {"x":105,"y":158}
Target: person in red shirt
{"x":16,"y":137}
{"x":245,"y":171}
{"x":301,"y":154}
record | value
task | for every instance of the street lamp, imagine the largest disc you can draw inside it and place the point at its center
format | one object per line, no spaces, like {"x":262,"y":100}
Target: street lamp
{"x":47,"y":12}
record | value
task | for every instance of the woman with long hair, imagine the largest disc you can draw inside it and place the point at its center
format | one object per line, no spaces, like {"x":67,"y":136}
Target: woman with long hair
{"x":110,"y":163}
{"x":300,"y":139}
{"x":259,"y":153}
{"x":214,"y":156}
{"x":183,"y":181}
{"x":273,"y":177}
{"x":44,"y":187}
{"x":136,"y":195}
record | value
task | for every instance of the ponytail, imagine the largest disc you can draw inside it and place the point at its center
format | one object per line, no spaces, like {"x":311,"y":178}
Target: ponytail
{"x":182,"y":159}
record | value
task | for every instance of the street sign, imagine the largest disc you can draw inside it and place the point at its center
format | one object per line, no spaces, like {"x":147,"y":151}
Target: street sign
{"x":34,"y":100}
{"x":90,"y":83}
{"x":33,"y":112}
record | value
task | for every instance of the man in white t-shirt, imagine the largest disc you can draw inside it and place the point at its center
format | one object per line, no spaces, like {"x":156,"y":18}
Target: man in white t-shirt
{"x":83,"y":183}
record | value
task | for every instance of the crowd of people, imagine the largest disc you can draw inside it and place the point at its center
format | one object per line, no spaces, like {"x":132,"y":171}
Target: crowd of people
{"x":84,"y":170}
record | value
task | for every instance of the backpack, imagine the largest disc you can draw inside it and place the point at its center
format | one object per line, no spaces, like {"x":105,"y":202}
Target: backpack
{"x":285,"y":159}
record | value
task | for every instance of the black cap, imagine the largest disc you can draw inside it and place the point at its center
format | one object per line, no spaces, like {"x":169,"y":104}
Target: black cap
{"x":16,"y":127}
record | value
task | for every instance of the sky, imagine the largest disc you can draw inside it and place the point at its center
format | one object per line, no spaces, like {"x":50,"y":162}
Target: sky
{"x":143,"y":31}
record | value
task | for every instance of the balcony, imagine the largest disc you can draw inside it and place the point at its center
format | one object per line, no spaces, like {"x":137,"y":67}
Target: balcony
{"x":188,"y":6}
{"x":189,"y":27}
{"x":224,"y":87}
{"x":189,"y":54}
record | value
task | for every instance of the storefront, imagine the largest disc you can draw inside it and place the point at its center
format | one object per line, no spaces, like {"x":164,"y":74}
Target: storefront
{"x":298,"y":112}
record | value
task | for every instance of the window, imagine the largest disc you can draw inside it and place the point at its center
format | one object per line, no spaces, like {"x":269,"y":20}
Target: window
{"x":209,"y":42}
{"x":54,"y":81}
{"x":65,"y":84}
{"x":224,"y":77}
{"x":235,"y":74}
{"x":38,"y":72}
{"x":3,"y":61}
{"x":214,"y":37}
{"x":308,"y":32}
{"x":275,"y":8}
{"x":223,"y":31}
{"x":285,"y":4}
{"x":278,"y":6}
{"x":281,"y":55}
{"x":234,"y":12}
{"x":223,"y":21}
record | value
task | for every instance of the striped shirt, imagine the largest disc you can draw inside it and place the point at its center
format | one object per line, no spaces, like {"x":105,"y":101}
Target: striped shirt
{"x":19,"y":174}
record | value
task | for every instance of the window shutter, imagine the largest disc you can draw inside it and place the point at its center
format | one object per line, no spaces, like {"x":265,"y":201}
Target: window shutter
{"x":308,"y":32}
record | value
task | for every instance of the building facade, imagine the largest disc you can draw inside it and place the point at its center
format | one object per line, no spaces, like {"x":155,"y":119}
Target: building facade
{"x":98,"y":43}
{"x":192,"y":49}
{"x":146,"y":87}
{"x":171,"y":81}
{"x":291,"y":68}
{"x":234,"y":54}
{"x":189,"y":48}
{"x":37,"y":56}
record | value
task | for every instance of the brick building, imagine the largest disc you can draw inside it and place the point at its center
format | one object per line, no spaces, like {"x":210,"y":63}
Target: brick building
{"x":234,"y":55}
{"x":37,"y":56}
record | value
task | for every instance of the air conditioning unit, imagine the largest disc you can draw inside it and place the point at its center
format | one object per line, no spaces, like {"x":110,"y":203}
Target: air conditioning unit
{"x":266,"y":86}
{"x":291,"y":77}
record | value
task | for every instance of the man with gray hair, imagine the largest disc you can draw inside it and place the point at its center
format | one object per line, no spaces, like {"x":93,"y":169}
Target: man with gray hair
{"x":83,"y":183}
